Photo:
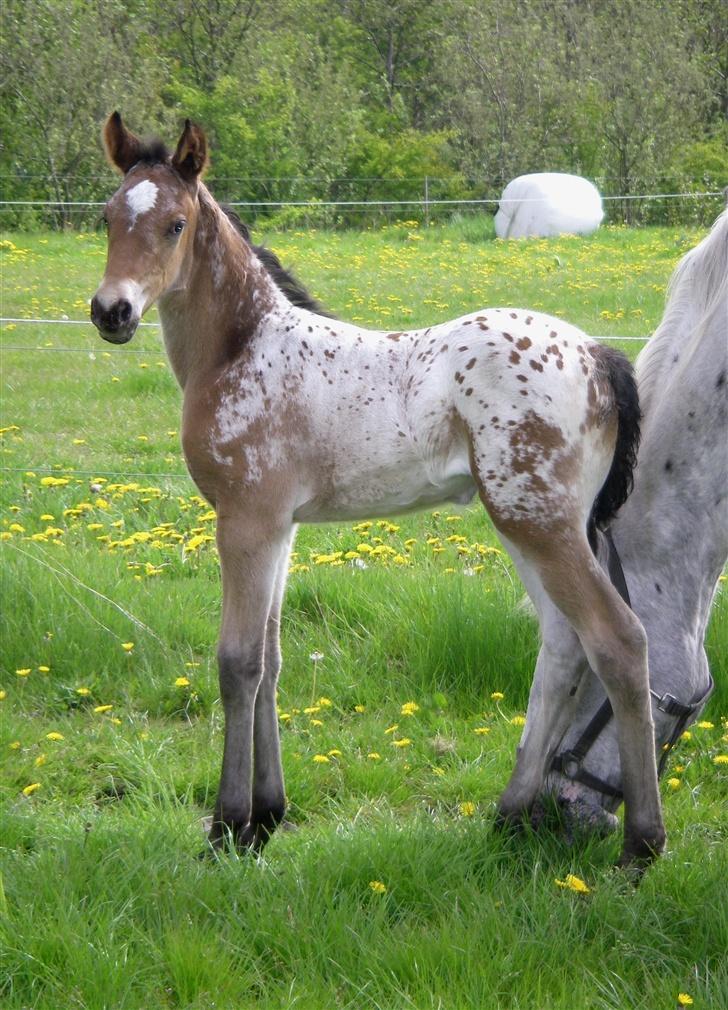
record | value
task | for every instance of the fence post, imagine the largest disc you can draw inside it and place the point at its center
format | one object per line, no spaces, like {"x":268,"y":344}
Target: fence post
{"x":427,"y":201}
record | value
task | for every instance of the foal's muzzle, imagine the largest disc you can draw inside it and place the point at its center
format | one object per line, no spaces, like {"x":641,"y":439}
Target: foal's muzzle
{"x":117,"y":322}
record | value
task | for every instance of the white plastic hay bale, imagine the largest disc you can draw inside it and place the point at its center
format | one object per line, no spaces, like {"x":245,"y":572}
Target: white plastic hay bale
{"x":548,"y":203}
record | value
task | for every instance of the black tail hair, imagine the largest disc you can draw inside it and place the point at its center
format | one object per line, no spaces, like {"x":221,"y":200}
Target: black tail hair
{"x":620,"y":479}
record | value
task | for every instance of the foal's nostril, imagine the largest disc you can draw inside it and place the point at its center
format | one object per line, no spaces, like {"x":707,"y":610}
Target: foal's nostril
{"x":124,"y":308}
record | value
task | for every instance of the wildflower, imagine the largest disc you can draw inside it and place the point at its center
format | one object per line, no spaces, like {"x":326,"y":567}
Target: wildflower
{"x":325,"y":702}
{"x":674,"y":783}
{"x":334,"y":753}
{"x":182,"y":682}
{"x":127,"y":646}
{"x":321,"y":759}
{"x":467,"y":809}
{"x":573,"y":883}
{"x":409,"y":708}
{"x":404,"y":742}
{"x":3,"y":695}
{"x":316,"y":656}
{"x":15,"y":745}
{"x":54,"y":736}
{"x":497,"y":696}
{"x":83,"y":691}
{"x":360,"y":708}
{"x":481,"y":730}
{"x":40,"y":761}
{"x":29,"y":790}
{"x":687,"y":735}
{"x":24,"y":672}
{"x":518,"y":720}
{"x":100,"y":709}
{"x":44,"y":669}
{"x":373,"y":756}
{"x":391,"y":729}
{"x":379,"y":888}
{"x":705,"y":725}
{"x":315,"y":722}
{"x":684,"y":999}
{"x":720,"y":759}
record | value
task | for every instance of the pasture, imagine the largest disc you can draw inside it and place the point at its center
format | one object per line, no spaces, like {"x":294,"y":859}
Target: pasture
{"x":407,"y":664}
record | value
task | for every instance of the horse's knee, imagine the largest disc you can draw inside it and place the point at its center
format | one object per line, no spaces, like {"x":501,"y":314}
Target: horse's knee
{"x":239,"y":669}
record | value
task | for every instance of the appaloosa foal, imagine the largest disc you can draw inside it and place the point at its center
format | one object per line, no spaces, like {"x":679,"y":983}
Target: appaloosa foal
{"x":292,"y":417}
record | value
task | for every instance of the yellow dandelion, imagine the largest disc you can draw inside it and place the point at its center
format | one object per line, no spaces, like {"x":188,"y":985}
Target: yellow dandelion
{"x":100,"y":709}
{"x":409,"y":708}
{"x":325,"y":702}
{"x":705,"y":725}
{"x":3,"y":695}
{"x":315,"y":722}
{"x":44,"y":669}
{"x":481,"y":730}
{"x":684,"y":999}
{"x":404,"y":742}
{"x":467,"y":809}
{"x":720,"y":759}
{"x":373,"y":756}
{"x":182,"y":682}
{"x":518,"y":720}
{"x":391,"y":729}
{"x":379,"y":888}
{"x":24,"y":672}
{"x":14,"y":745}
{"x":29,"y":790}
{"x":573,"y":883}
{"x":497,"y":696}
{"x":335,"y":753}
{"x":127,"y":646}
{"x":687,"y":735}
{"x":83,"y":691}
{"x":40,"y":761}
{"x":674,"y":783}
{"x":321,"y":759}
{"x":54,"y":736}
{"x":360,"y":709}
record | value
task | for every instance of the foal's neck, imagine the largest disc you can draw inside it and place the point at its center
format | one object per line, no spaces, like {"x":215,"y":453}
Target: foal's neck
{"x":213,"y":314}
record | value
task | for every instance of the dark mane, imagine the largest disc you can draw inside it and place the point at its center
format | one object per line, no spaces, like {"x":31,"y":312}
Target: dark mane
{"x":284,"y":279}
{"x":153,"y":151}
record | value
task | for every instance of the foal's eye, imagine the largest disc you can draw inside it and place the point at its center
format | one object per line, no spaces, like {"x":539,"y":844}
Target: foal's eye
{"x":177,"y":227}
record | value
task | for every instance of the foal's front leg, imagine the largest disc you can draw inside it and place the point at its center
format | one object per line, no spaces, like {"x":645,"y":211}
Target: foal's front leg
{"x":249,"y":555}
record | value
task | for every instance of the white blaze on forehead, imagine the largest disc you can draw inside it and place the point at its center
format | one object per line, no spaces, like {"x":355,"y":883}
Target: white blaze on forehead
{"x":140,"y":199}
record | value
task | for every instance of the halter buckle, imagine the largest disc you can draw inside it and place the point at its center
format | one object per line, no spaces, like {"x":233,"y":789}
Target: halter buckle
{"x":570,"y":764}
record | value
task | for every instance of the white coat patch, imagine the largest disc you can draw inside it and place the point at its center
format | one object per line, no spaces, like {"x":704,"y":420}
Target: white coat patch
{"x":140,"y":199}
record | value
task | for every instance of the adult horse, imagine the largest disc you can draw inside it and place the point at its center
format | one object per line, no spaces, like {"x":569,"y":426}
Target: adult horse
{"x":671,"y":536}
{"x":289,"y":416}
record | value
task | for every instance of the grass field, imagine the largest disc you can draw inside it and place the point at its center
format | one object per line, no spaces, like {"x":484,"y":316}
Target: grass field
{"x":407,"y":662}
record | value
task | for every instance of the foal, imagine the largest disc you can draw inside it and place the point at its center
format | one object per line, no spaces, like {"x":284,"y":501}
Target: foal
{"x":292,"y":417}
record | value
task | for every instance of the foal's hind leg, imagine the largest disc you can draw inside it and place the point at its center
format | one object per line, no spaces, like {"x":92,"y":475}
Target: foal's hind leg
{"x":616,"y":649}
{"x":250,"y":551}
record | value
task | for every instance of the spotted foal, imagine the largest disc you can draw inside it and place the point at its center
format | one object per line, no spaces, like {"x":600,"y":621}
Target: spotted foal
{"x":289,"y":417}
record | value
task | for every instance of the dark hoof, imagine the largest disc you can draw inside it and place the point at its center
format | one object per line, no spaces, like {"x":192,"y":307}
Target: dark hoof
{"x":638,"y":855}
{"x":511,"y":823}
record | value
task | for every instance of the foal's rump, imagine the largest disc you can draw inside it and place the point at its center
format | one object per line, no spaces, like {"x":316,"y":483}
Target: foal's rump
{"x":543,"y":409}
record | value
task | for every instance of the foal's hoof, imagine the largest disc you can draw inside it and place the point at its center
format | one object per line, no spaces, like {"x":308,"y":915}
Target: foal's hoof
{"x":639,"y":854}
{"x":511,"y":822}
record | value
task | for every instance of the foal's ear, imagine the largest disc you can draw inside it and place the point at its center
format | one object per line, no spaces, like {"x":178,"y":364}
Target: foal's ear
{"x":190,"y":158}
{"x":122,"y":146}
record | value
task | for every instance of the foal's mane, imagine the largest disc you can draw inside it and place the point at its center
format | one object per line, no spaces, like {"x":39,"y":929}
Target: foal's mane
{"x":289,"y":284}
{"x":697,"y":292}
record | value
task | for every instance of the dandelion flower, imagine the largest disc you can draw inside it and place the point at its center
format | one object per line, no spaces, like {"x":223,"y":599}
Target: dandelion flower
{"x":391,"y":729}
{"x":321,"y":759}
{"x":467,"y":809}
{"x":481,"y":730}
{"x":674,"y":783}
{"x":3,"y":695}
{"x":404,"y":742}
{"x":705,"y":725}
{"x":127,"y":646}
{"x":44,"y":669}
{"x":316,"y":656}
{"x":379,"y":888}
{"x":335,"y":753}
{"x":573,"y":883}
{"x":720,"y":759}
{"x":182,"y":682}
{"x":100,"y":709}
{"x":409,"y":708}
{"x":29,"y":790}
{"x":518,"y":720}
{"x":360,"y":708}
{"x":54,"y":736}
{"x":684,"y":999}
{"x":24,"y":672}
{"x":497,"y":696}
{"x":83,"y":691}
{"x":373,"y":756}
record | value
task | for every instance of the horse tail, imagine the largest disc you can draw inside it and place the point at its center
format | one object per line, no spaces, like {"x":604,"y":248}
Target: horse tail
{"x":620,"y":479}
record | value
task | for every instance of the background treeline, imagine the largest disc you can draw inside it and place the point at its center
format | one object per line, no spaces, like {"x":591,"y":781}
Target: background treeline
{"x":353,"y":100}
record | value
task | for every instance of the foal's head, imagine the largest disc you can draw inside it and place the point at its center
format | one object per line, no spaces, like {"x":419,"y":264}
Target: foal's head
{"x":151,"y":221}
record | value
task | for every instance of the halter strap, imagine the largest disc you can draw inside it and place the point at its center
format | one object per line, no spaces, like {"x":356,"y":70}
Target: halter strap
{"x":570,"y":763}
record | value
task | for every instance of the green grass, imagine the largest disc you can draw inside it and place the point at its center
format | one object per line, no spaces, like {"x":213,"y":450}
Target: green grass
{"x":105,"y":903}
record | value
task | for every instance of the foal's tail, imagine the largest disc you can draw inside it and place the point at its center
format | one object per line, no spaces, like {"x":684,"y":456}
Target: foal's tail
{"x":620,"y":479}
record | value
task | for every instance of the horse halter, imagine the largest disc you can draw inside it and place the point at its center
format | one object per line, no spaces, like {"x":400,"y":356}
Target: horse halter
{"x":570,"y":763}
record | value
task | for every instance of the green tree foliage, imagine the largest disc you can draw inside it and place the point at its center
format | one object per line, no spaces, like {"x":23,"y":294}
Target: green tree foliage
{"x":365,"y":99}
